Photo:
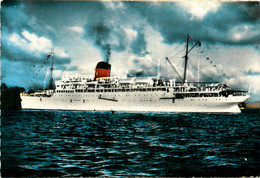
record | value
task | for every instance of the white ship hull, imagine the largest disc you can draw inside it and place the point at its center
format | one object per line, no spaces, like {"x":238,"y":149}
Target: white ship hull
{"x":158,"y":101}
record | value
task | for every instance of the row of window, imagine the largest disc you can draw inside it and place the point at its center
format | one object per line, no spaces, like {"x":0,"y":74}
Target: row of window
{"x":189,"y":95}
{"x":84,"y":101}
{"x":113,"y":90}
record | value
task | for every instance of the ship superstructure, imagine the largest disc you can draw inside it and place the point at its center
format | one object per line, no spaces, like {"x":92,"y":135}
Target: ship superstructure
{"x":147,"y":94}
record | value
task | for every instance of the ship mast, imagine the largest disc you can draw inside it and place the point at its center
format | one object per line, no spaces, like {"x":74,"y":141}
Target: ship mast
{"x":52,"y":84}
{"x":186,"y":59}
{"x":186,"y":56}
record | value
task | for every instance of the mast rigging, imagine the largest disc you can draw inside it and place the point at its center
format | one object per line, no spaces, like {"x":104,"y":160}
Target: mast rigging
{"x":186,"y":57}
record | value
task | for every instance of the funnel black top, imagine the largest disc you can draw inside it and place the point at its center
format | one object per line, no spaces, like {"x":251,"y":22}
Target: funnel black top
{"x":103,"y":65}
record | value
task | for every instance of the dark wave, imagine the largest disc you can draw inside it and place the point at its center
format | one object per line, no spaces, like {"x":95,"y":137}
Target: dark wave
{"x":65,"y":143}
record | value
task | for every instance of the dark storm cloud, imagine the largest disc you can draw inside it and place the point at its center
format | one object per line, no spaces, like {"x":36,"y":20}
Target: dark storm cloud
{"x":103,"y":25}
{"x":252,"y":9}
{"x":12,"y":16}
{"x":14,"y":53}
{"x":15,"y":19}
{"x":95,"y":17}
{"x":174,"y":23}
{"x":164,"y":17}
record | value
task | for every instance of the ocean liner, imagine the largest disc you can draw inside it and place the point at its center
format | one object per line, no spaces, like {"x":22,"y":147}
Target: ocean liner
{"x":131,"y":94}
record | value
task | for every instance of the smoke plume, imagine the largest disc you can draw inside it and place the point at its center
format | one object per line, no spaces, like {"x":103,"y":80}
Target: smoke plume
{"x":100,"y":34}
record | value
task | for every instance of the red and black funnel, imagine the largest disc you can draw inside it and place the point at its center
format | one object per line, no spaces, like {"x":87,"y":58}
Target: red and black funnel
{"x":102,"y":70}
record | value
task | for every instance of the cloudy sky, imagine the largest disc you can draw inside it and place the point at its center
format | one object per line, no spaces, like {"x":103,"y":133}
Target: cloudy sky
{"x":135,"y":37}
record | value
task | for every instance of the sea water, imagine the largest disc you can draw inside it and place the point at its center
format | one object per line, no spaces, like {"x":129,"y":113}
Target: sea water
{"x":68,"y":143}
